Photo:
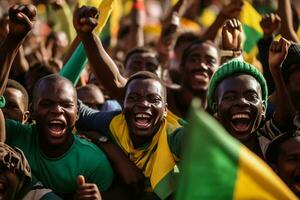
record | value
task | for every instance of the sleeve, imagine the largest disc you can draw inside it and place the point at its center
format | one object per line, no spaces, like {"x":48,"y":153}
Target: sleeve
{"x":11,"y":128}
{"x":270,"y":129}
{"x":103,"y":174}
{"x":17,"y":134}
{"x":175,"y":141}
{"x":75,"y":65}
{"x":92,"y":120}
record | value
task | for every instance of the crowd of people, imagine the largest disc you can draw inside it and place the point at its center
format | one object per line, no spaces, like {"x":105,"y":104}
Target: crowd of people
{"x":114,"y":127}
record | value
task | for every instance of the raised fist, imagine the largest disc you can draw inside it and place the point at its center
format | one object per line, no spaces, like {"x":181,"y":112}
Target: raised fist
{"x":85,"y":19}
{"x":277,"y":53}
{"x":270,"y":23}
{"x":232,"y":35}
{"x":21,"y":19}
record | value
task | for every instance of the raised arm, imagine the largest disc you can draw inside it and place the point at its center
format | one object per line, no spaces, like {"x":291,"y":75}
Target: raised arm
{"x":285,"y":13}
{"x":106,"y":71}
{"x":232,"y":10}
{"x":20,"y":23}
{"x":270,"y":24}
{"x":169,"y":31}
{"x":232,"y":36}
{"x":284,"y":107}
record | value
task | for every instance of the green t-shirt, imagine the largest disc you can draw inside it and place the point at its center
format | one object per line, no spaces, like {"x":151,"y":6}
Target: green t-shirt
{"x":60,"y":174}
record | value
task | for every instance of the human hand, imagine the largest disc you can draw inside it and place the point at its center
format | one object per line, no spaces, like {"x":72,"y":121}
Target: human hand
{"x":277,"y":53}
{"x":270,"y":23}
{"x":21,"y":19}
{"x":86,"y":191}
{"x":233,"y":9}
{"x":85,"y":19}
{"x":232,"y":35}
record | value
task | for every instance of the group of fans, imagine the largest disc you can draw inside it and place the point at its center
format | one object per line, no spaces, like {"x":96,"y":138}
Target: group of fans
{"x":115,"y":128}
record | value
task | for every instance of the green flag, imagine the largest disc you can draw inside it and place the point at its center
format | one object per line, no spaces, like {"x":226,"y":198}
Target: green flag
{"x":217,"y":166}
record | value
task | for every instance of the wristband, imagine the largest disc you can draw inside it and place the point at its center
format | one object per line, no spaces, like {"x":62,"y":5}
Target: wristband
{"x":2,"y":102}
{"x":230,"y":53}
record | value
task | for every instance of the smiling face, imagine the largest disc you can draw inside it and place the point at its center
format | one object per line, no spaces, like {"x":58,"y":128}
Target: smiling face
{"x":10,"y":185}
{"x":201,"y":62}
{"x":288,"y":163}
{"x":240,"y":107}
{"x":55,"y":110}
{"x":142,"y":62}
{"x":144,"y":108}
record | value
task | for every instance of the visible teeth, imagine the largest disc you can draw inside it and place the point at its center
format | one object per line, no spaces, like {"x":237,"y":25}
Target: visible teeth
{"x":241,"y":116}
{"x":56,"y":122}
{"x":142,"y":116}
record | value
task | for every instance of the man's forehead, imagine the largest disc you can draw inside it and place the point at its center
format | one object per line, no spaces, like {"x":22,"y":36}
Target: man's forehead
{"x":50,"y":87}
{"x":144,"y":55}
{"x":142,"y":84}
{"x":240,"y":81}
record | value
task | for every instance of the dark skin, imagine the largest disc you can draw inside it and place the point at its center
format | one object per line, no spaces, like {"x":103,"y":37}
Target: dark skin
{"x":15,"y":106}
{"x":142,"y":62}
{"x":287,"y":165}
{"x":85,"y":22}
{"x":21,"y":20}
{"x":144,"y":109}
{"x":10,"y":185}
{"x":55,"y":114}
{"x":61,"y":108}
{"x":201,"y":62}
{"x":240,"y":108}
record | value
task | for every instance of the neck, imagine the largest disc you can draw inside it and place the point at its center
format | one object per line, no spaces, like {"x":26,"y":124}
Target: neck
{"x":252,"y":143}
{"x":188,"y":95}
{"x":55,"y":150}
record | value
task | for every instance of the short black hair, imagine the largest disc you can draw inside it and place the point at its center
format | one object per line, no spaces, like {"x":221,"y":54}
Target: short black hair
{"x":139,"y":50}
{"x":187,"y":51}
{"x":146,"y":75}
{"x":187,"y":37}
{"x":50,"y":79}
{"x":273,"y":148}
{"x":14,"y":84}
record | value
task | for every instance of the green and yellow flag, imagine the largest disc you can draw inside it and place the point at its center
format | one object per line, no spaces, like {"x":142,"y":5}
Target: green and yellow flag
{"x":250,"y":20}
{"x":217,"y":166}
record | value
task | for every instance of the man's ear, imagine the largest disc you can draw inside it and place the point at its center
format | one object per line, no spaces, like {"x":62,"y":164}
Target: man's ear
{"x":166,"y":110}
{"x":263,"y":114}
{"x":25,"y":117}
{"x":215,"y":111}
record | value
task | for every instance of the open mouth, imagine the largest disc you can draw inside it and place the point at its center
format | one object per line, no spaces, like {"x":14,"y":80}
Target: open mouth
{"x":142,"y":120}
{"x":241,"y":122}
{"x":200,"y":75}
{"x":57,"y":128}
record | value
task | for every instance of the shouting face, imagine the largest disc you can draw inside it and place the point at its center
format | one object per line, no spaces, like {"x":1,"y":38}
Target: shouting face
{"x":55,"y":110}
{"x":240,"y":108}
{"x":144,"y":108}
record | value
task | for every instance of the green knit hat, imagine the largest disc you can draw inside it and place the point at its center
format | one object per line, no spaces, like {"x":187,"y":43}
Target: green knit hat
{"x":235,"y":67}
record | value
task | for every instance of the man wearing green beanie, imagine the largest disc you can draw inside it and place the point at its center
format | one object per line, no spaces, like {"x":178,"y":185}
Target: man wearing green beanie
{"x":238,"y":95}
